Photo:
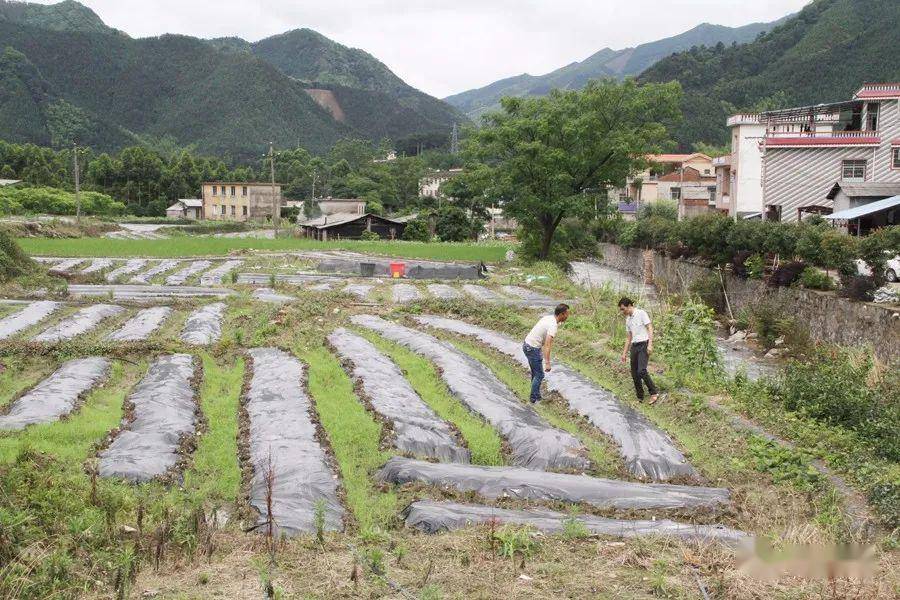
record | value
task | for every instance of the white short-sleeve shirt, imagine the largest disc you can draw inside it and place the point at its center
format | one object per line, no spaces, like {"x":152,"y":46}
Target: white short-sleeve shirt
{"x":547,"y":326}
{"x":637,"y":325}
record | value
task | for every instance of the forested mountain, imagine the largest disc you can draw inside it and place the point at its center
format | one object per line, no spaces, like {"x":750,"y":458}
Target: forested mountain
{"x":103,"y":88}
{"x":64,"y":16}
{"x":605,"y":63}
{"x":822,"y":54}
{"x":322,"y":63}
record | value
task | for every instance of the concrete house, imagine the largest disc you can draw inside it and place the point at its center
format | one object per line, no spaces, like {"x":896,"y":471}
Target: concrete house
{"x":667,"y":177}
{"x":739,"y":190}
{"x":186,"y":208}
{"x":239,"y":201}
{"x":807,"y":150}
{"x":430,"y":184}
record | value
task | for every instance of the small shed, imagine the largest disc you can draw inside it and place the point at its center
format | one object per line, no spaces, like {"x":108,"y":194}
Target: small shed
{"x":351,"y":227}
{"x":186,"y":208}
{"x":6,"y":182}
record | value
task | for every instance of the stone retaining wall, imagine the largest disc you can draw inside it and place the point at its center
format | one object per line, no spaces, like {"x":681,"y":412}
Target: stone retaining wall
{"x":829,"y":317}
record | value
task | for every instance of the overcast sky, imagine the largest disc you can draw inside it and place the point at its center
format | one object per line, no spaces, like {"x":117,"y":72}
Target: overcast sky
{"x":446,"y":46}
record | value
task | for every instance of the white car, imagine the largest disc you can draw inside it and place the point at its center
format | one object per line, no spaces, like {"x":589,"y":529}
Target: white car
{"x":891,"y":273}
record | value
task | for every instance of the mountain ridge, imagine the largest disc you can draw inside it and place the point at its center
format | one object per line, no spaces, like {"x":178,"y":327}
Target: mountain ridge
{"x":219,"y":95}
{"x":603,"y":63}
{"x":823,"y":54}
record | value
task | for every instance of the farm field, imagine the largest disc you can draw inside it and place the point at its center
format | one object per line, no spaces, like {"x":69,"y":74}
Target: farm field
{"x":185,"y":246}
{"x":248,"y":427}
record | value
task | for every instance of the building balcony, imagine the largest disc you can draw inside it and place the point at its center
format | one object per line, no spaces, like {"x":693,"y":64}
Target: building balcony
{"x":744,"y":119}
{"x":822,"y":138}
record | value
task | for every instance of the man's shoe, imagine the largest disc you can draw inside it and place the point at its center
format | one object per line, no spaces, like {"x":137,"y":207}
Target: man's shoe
{"x":654,"y":398}
{"x":535,"y":400}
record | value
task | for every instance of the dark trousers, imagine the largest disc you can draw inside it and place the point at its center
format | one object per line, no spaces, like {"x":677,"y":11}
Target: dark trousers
{"x":639,"y":374}
{"x":536,"y":364}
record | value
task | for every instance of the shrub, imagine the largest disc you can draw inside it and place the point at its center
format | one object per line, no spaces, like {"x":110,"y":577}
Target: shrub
{"x":709,"y":290}
{"x":452,"y":224}
{"x":837,"y":251}
{"x":55,"y":201}
{"x":369,"y":236}
{"x":859,"y":287}
{"x":13,"y":261}
{"x":687,"y":340}
{"x":786,"y":274}
{"x":706,"y":235}
{"x":876,"y":248}
{"x":755,"y":266}
{"x":417,"y":230}
{"x":814,"y":279}
{"x":835,"y":385}
{"x":767,"y":320}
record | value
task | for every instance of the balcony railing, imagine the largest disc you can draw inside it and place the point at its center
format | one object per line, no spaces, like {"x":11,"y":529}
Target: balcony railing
{"x":822,"y":134}
{"x":744,"y":119}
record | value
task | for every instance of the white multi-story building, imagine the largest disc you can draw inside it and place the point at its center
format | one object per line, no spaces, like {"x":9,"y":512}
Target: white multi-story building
{"x":739,"y":189}
{"x":786,"y":163}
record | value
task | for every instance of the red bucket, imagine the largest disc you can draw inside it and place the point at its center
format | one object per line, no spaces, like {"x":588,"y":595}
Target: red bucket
{"x":398,"y":270}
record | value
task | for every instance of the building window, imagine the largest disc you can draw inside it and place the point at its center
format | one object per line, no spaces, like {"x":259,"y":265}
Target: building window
{"x":244,"y":191}
{"x":895,"y":157}
{"x":224,"y":209}
{"x":215,"y":190}
{"x":232,"y":191}
{"x":233,"y":211}
{"x":853,"y":170}
{"x":872,"y":116}
{"x":675,"y":193}
{"x":244,"y":209}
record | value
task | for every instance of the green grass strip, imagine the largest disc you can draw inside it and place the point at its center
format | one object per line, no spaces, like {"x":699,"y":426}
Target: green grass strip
{"x":484,"y":443}
{"x":215,"y":472}
{"x":21,"y":375}
{"x":72,"y":439}
{"x":355,"y":439}
{"x":211,"y":246}
{"x":601,"y":452}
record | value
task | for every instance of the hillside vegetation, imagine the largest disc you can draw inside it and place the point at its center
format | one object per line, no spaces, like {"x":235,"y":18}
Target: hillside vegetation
{"x":605,"y":63}
{"x":221,"y":97}
{"x":823,"y":54}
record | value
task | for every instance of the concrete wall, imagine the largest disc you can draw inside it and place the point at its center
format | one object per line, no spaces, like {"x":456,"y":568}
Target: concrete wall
{"x":829,"y":317}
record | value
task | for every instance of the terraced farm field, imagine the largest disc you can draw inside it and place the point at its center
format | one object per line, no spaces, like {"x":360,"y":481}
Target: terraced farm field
{"x":274,"y":425}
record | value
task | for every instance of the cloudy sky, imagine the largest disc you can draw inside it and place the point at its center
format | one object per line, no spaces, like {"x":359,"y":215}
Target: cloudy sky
{"x":445,"y":46}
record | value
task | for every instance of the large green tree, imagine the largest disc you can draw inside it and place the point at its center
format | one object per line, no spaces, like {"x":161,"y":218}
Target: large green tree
{"x":546,"y":154}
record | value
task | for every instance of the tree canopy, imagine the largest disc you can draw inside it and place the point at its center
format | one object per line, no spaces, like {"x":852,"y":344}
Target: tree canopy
{"x":544,"y":157}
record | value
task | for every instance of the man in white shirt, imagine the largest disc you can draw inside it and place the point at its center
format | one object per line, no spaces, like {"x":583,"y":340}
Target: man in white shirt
{"x":537,"y":347}
{"x":639,"y":341}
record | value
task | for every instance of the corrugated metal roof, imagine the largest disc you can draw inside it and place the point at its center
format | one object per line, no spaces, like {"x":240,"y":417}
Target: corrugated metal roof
{"x":191,"y":202}
{"x":4,"y":182}
{"x":868,"y":189}
{"x":325,"y":221}
{"x":865,"y":209}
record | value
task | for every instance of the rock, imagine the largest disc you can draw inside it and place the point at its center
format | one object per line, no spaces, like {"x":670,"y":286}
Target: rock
{"x":752,"y":336}
{"x":738,"y":336}
{"x":779,"y":341}
{"x":773,"y":353}
{"x":128,"y":530}
{"x":510,"y":256}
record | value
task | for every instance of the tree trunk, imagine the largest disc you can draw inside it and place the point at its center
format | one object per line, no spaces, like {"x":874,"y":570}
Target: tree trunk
{"x":548,"y":228}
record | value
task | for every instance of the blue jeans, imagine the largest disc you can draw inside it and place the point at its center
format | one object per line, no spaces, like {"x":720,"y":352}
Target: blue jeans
{"x":536,"y":363}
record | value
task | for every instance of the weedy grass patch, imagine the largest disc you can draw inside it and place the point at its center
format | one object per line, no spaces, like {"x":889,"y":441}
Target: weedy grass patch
{"x":601,"y":451}
{"x":355,"y":438}
{"x":215,"y":472}
{"x":484,"y":444}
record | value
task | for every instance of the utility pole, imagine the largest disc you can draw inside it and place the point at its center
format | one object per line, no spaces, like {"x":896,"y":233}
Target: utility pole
{"x":276,"y":202}
{"x":77,"y":185}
